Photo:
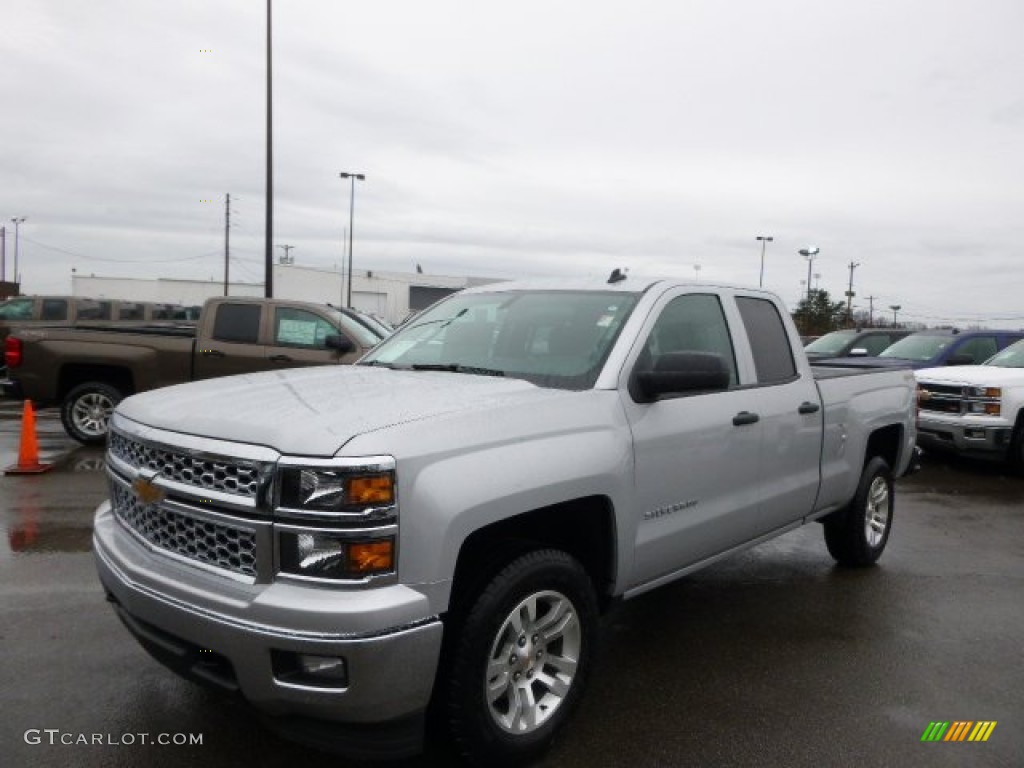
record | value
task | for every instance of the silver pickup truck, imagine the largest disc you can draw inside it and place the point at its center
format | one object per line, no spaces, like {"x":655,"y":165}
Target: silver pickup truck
{"x":443,"y":523}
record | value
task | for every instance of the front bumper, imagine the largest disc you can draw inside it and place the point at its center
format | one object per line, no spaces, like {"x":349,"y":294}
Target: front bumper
{"x":985,"y":438}
{"x":227,"y":634}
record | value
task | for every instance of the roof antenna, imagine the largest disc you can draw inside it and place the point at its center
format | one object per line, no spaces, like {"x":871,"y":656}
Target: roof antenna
{"x":617,"y":275}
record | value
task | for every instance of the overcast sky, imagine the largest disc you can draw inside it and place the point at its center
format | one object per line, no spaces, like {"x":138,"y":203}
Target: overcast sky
{"x":528,"y":139}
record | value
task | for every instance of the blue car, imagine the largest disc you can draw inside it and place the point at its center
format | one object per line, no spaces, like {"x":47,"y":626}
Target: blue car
{"x":930,"y":349}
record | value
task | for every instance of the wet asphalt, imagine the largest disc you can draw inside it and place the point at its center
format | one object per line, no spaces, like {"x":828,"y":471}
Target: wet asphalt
{"x":772,"y":658}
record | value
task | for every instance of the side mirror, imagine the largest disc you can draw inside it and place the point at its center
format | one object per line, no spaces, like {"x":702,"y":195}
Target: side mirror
{"x":858,"y":352}
{"x":960,"y":359}
{"x":343,"y":344}
{"x":680,"y":372}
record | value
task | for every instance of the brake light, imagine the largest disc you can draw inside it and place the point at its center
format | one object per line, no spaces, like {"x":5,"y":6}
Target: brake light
{"x":12,"y":352}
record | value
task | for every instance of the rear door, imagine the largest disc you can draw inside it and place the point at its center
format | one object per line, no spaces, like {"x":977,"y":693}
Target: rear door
{"x":789,"y":409}
{"x":229,"y":342}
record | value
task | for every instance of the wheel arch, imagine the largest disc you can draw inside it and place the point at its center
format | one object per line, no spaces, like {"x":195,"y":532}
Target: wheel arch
{"x":584,"y":528}
{"x":75,"y":374}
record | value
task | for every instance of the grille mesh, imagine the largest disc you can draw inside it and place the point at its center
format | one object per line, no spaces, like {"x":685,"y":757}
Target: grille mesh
{"x":942,"y":398}
{"x":240,"y":479}
{"x":215,"y":544}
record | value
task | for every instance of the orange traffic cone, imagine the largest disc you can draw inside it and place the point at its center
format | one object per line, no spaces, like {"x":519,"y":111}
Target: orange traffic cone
{"x":28,"y":450}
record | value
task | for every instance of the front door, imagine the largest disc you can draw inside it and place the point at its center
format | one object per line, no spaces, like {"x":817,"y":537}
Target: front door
{"x":697,"y":457}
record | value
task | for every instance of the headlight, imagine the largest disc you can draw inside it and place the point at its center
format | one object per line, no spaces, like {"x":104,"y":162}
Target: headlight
{"x":334,"y":554}
{"x":334,"y":490}
{"x":336,"y":519}
{"x":984,"y":400}
{"x":988,"y":392}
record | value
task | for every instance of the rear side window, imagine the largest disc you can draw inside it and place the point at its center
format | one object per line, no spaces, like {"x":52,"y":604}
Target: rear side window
{"x":773,"y":357}
{"x":130,"y":312}
{"x":87,"y":309}
{"x":54,"y":309}
{"x":238,"y":323}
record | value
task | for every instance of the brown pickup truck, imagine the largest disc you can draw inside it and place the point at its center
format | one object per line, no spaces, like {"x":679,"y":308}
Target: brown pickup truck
{"x":89,"y":370}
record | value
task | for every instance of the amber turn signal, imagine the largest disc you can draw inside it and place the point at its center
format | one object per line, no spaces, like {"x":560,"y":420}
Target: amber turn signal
{"x":371,"y":556}
{"x":373,"y":489}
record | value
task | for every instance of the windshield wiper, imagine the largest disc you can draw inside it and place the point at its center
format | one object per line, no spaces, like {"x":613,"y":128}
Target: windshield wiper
{"x":456,"y":368}
{"x":378,"y":363}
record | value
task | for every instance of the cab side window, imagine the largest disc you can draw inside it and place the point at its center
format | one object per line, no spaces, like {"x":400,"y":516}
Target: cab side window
{"x":876,"y":343}
{"x":299,"y":328}
{"x":980,"y":348}
{"x":237,"y":323}
{"x":690,"y":323}
{"x":54,"y":309}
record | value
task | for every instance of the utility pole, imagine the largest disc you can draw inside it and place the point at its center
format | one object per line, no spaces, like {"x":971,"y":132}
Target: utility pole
{"x":17,"y":221}
{"x":3,"y":254}
{"x":871,"y":311}
{"x":764,"y":240}
{"x":849,"y":294}
{"x":227,"y":239}
{"x":268,"y":236}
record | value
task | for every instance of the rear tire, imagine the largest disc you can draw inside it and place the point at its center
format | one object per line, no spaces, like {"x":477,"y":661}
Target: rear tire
{"x":85,"y":412}
{"x":521,"y":659}
{"x":857,"y":536}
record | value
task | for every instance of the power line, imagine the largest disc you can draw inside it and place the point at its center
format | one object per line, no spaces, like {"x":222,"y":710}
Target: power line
{"x":118,"y":261}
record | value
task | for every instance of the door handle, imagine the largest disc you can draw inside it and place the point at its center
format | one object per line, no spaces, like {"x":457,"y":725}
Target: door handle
{"x":280,"y":359}
{"x":745,"y":417}
{"x":212,"y":353}
{"x":808,"y":407}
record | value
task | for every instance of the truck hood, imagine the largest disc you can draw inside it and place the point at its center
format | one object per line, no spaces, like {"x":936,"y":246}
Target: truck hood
{"x":984,"y":375}
{"x":315,"y":411}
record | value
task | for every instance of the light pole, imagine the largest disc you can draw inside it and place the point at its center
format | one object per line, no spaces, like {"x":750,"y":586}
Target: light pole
{"x":763,"y":239}
{"x":351,"y":215}
{"x":895,"y":308}
{"x":286,"y":259}
{"x":696,"y":271}
{"x":809,"y":254}
{"x":17,"y":221}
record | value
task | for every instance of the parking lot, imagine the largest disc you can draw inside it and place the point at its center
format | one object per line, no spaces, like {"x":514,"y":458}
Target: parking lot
{"x":774,"y":657}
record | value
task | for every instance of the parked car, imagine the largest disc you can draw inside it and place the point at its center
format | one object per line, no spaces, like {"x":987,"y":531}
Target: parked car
{"x":859,"y":342}
{"x":485,"y":481}
{"x":928,"y":349}
{"x":88,"y":370}
{"x":975,"y":410}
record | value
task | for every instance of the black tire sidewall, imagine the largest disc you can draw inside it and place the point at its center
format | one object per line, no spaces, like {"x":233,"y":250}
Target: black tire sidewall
{"x":68,"y":404}
{"x":477,"y":736}
{"x":846,"y":535}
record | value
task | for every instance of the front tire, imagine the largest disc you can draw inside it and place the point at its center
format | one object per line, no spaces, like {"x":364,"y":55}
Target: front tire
{"x":858,"y":535}
{"x":522,"y":658}
{"x":85,"y":412}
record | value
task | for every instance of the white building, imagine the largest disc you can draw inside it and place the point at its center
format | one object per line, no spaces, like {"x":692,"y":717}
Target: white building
{"x":389,"y":295}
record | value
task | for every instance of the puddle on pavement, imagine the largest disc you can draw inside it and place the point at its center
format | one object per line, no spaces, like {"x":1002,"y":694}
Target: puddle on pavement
{"x":31,"y":537}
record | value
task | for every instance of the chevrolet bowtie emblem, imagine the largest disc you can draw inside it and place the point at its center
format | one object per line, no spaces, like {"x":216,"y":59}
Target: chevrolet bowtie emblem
{"x":147,"y":491}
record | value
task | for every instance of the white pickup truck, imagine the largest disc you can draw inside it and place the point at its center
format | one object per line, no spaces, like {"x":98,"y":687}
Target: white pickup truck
{"x":443,"y":522}
{"x":976,"y":410}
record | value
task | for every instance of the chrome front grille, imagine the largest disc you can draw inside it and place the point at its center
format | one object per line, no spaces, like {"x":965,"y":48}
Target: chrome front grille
{"x":941,"y":398}
{"x":232,"y":476}
{"x":219,"y":545}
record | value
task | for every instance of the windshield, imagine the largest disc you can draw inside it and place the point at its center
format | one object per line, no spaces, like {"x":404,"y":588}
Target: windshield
{"x":918,"y":348}
{"x":830,"y":343}
{"x":1011,"y":357}
{"x":557,"y":339}
{"x":354,"y":328}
